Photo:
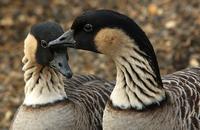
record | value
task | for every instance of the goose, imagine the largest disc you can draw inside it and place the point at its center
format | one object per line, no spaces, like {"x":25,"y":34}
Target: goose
{"x":141,"y":98}
{"x":52,"y":101}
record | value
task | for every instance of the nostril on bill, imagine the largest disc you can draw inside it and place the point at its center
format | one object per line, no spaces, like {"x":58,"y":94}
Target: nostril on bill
{"x":59,"y":64}
{"x":63,"y":38}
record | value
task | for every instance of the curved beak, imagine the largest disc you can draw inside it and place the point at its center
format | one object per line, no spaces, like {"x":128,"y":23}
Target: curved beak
{"x":65,"y":40}
{"x":60,"y":63}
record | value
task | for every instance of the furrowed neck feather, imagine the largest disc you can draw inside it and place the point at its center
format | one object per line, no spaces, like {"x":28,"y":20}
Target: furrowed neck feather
{"x":138,"y":85}
{"x":43,"y":85}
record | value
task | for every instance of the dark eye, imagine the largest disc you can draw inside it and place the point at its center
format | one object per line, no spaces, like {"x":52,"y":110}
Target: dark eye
{"x":44,"y":44}
{"x":88,"y":28}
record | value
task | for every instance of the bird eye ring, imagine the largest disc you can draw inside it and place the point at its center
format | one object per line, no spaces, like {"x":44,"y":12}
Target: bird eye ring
{"x":44,"y":44}
{"x":88,"y":28}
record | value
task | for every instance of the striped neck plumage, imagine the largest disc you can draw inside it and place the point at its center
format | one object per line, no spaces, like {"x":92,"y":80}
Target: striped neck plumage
{"x":136,"y":86}
{"x":43,"y":84}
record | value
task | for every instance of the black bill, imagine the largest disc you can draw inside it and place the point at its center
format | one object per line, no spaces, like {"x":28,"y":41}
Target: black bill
{"x":66,"y":40}
{"x":60,"y":63}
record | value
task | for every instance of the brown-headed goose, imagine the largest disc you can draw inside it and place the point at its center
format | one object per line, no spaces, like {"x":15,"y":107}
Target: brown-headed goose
{"x":53,"y":102}
{"x":141,"y":99}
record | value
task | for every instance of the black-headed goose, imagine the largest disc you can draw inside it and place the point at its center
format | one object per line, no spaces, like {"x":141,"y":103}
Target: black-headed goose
{"x":141,"y":99}
{"x":53,"y":102}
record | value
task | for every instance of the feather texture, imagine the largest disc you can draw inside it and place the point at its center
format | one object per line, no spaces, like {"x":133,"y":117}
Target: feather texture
{"x":180,"y":111}
{"x":53,"y":102}
{"x":91,"y":94}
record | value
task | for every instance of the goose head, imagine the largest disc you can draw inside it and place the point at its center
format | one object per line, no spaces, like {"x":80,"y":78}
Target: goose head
{"x":110,"y":33}
{"x":36,"y":48}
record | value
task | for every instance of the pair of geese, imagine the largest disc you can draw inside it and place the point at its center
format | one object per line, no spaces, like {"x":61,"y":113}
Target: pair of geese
{"x":139,"y":99}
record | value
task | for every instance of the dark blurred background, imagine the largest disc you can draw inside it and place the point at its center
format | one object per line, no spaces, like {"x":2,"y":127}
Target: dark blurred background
{"x":173,"y":27}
